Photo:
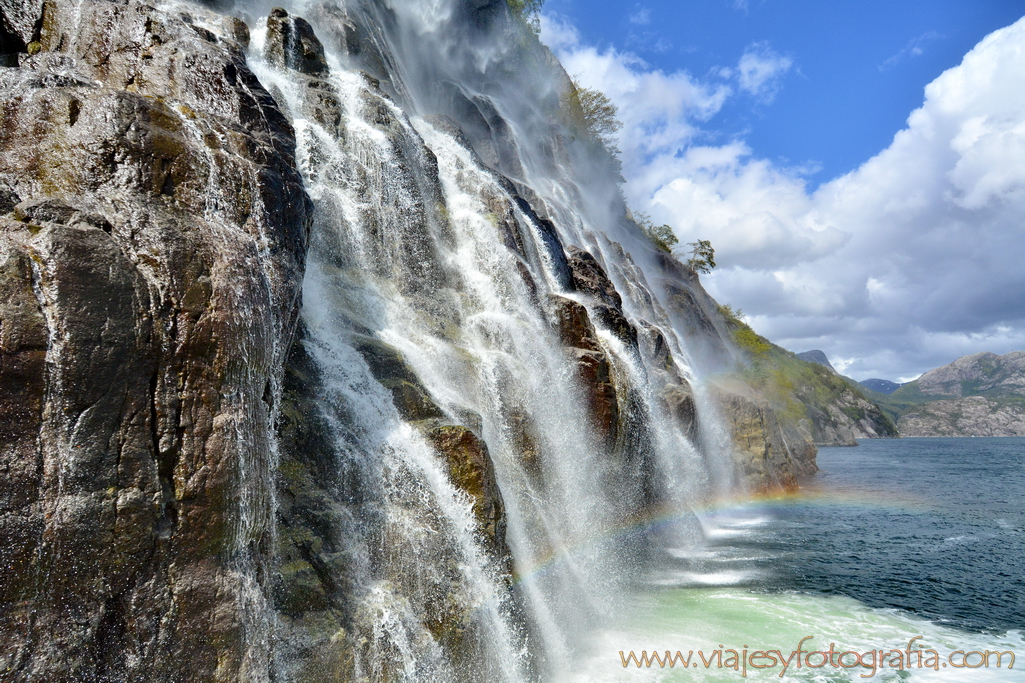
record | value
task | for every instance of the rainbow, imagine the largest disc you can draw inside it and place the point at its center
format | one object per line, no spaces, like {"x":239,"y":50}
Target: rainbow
{"x":654,"y":519}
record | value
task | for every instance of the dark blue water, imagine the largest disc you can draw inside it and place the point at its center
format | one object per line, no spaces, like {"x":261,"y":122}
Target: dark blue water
{"x":932,"y":526}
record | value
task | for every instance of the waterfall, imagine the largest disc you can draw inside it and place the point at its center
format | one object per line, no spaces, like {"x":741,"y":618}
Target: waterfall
{"x":439,"y":293}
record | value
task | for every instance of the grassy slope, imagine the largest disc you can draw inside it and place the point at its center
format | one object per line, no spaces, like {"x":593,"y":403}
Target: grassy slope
{"x":797,"y":389}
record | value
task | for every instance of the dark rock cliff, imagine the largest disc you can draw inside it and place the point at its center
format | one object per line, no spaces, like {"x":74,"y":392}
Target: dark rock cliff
{"x":152,"y":247}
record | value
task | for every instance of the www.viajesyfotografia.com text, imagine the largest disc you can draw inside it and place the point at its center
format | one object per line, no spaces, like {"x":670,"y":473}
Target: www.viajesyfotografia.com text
{"x":870,"y":662}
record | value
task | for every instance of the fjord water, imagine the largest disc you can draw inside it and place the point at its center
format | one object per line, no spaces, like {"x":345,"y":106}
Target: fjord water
{"x":934,"y":526}
{"x":890,"y":540}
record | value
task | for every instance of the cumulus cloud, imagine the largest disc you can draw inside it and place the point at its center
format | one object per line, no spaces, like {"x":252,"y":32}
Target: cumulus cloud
{"x":658,"y":110}
{"x":933,"y":267}
{"x":760,"y":71}
{"x":759,"y":215}
{"x":901,"y":265}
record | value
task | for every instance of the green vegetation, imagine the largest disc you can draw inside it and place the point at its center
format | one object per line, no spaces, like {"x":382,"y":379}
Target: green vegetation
{"x":525,"y":7}
{"x":752,"y":343}
{"x":601,"y":116}
{"x":527,"y":12}
{"x":732,"y":315}
{"x":796,"y":389}
{"x":592,"y":113}
{"x":661,"y":236}
{"x":902,"y":401}
{"x":702,"y":256}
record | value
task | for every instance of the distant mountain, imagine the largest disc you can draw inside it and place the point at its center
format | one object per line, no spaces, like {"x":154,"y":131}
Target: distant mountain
{"x":882,"y":386}
{"x":978,"y":395}
{"x":818,"y":357}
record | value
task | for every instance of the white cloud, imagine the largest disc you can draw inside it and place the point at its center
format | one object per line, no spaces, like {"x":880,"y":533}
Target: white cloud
{"x":761,"y":71}
{"x":902,"y":265}
{"x":558,"y":34}
{"x":757,"y":213}
{"x":657,"y":109}
{"x":641,"y":17}
{"x":914,"y":48}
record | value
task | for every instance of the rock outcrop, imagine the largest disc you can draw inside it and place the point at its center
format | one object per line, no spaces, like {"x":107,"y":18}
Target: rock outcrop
{"x":844,"y":415}
{"x":968,"y":416}
{"x":291,"y":43}
{"x":772,"y":456}
{"x":471,"y":470}
{"x":594,"y":369}
{"x":589,"y":278}
{"x":979,"y":374}
{"x":809,"y":396}
{"x":152,"y":248}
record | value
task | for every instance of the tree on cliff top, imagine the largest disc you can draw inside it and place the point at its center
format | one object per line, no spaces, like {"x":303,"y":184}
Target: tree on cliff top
{"x":702,"y":256}
{"x":601,"y":117}
{"x":527,"y":11}
{"x":662,"y":236}
{"x":593,"y":113}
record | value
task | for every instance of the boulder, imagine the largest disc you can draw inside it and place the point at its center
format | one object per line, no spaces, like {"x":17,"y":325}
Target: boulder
{"x":291,"y":43}
{"x":471,"y":470}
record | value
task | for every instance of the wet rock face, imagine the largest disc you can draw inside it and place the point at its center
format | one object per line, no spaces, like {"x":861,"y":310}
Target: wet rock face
{"x":574,"y":324}
{"x":470,"y":468}
{"x":19,"y":24}
{"x":591,"y":279}
{"x":771,"y":457}
{"x":292,"y":43}
{"x":594,"y":369}
{"x":386,"y":363}
{"x":152,"y":245}
{"x":328,"y":506}
{"x":694,"y":315}
{"x":679,"y":403}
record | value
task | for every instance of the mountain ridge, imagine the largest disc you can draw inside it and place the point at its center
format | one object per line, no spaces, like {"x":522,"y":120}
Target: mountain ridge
{"x":981,"y":394}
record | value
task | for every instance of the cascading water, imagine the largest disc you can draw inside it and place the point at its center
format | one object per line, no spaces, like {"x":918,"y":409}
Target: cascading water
{"x":420,"y":246}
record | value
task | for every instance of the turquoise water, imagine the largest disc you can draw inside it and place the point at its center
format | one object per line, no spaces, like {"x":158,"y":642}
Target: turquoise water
{"x":892,"y":540}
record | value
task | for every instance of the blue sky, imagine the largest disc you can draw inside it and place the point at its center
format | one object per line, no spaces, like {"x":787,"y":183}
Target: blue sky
{"x":858,"y":166}
{"x":858,"y":68}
